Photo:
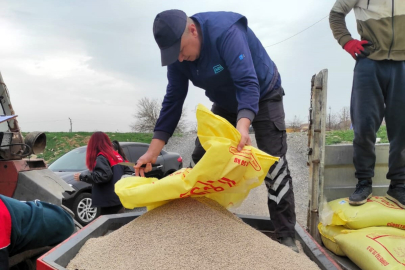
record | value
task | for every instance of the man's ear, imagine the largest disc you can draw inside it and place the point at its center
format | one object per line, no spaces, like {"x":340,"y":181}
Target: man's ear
{"x":193,"y":30}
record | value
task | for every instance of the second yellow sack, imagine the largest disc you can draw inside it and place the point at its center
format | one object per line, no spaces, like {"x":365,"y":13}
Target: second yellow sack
{"x":374,"y":248}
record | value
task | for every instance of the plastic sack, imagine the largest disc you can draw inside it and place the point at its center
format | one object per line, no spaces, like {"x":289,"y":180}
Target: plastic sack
{"x":378,"y":211}
{"x":328,"y":234}
{"x":374,"y":248}
{"x":223,"y":174}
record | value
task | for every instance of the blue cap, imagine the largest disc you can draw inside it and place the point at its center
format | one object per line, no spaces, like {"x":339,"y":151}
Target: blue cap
{"x":168,"y":28}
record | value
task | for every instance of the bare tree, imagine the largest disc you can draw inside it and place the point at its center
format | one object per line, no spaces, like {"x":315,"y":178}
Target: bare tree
{"x":147,"y":114}
{"x":332,"y":120}
{"x":295,"y":124}
{"x":344,"y":118}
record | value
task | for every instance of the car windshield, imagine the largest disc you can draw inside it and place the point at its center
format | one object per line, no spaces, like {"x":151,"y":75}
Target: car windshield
{"x":75,"y":160}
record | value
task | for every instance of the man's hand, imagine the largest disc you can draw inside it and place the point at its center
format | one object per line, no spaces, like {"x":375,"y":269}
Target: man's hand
{"x":243,"y":127}
{"x":356,"y":48}
{"x":149,"y":157}
{"x":76,"y":176}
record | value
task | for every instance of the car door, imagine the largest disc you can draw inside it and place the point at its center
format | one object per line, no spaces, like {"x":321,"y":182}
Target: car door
{"x":136,"y":151}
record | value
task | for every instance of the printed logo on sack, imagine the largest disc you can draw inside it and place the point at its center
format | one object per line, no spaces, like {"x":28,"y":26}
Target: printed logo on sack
{"x":342,"y":202}
{"x":218,"y":69}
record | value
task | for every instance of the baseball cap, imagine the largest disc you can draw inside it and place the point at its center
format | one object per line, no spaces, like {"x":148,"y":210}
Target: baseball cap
{"x":168,"y":28}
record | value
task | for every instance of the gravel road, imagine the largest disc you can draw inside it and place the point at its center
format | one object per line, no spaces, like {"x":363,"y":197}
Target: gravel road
{"x":256,"y":202}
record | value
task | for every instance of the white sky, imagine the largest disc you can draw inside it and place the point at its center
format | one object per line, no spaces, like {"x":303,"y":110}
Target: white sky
{"x":93,"y":60}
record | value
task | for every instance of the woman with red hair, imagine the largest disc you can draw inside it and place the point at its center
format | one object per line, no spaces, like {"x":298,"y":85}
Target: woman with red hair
{"x":104,"y":171}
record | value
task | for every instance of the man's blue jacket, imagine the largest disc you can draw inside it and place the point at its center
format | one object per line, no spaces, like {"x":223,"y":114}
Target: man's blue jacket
{"x":234,"y":69}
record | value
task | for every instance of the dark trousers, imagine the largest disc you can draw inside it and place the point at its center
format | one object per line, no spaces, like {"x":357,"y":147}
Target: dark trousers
{"x":378,"y":92}
{"x":271,"y":138}
{"x":109,"y":210}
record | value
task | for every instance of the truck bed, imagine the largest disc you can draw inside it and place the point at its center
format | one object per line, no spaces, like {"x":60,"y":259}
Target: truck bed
{"x":61,"y":255}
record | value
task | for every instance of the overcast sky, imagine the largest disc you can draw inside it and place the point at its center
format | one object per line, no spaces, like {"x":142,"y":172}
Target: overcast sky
{"x":93,"y":60}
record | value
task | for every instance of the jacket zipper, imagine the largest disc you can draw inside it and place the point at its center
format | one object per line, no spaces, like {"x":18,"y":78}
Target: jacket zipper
{"x":368,"y":3}
{"x":393,"y":33}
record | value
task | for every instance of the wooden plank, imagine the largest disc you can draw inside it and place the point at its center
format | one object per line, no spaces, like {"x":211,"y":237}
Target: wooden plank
{"x":316,"y":149}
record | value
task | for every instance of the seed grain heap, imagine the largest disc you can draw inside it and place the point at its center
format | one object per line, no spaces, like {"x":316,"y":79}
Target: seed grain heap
{"x":189,"y":234}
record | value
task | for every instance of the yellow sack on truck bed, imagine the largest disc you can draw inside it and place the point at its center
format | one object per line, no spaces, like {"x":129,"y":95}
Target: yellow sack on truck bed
{"x":223,"y":174}
{"x":378,"y":211}
{"x":328,"y":234}
{"x":374,"y":248}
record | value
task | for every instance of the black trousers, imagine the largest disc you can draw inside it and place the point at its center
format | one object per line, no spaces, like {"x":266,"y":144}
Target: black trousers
{"x":378,"y":92}
{"x":109,"y":210}
{"x":269,"y":127}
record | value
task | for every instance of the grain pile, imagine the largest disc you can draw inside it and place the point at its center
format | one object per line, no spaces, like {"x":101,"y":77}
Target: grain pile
{"x":189,"y":234}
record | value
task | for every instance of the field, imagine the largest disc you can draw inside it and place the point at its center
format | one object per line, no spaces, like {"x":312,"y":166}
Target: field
{"x":346,"y":136}
{"x":59,"y":143}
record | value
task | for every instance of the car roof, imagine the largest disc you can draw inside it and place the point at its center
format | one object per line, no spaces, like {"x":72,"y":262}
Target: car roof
{"x":133,"y":143}
{"x":121,"y":143}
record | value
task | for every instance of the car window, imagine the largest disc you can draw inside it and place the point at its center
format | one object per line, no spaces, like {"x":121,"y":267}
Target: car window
{"x":126,"y":152}
{"x":74,"y":160}
{"x":136,"y":151}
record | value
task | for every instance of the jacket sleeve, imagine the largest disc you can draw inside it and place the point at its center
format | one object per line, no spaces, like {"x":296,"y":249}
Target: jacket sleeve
{"x":102,"y":172}
{"x":172,"y":105}
{"x":234,"y":50}
{"x":36,"y":224}
{"x":337,"y":20}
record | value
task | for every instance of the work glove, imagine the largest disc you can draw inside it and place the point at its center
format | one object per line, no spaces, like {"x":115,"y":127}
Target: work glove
{"x":357,"y":48}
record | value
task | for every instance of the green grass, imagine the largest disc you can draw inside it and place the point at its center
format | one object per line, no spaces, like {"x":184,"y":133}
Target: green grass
{"x":59,"y":143}
{"x":346,"y":136}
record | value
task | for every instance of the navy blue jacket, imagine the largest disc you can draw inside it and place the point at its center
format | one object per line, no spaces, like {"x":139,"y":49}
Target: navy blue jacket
{"x":234,"y":69}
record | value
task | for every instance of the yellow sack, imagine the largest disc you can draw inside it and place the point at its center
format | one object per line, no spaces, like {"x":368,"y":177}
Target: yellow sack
{"x":328,"y":234}
{"x":378,"y":211}
{"x":223,"y":174}
{"x":374,"y":248}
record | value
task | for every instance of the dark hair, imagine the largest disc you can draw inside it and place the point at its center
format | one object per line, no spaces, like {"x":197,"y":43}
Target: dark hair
{"x":117,"y":147}
{"x":99,"y":142}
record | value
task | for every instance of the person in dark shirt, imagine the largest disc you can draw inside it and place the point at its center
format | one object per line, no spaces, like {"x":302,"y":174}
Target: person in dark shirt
{"x":378,"y":90}
{"x":219,"y":53}
{"x":104,"y":171}
{"x":30,"y":225}
{"x":117,"y":147}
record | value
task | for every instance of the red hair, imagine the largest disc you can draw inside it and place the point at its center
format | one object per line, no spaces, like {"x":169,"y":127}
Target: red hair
{"x":99,"y":142}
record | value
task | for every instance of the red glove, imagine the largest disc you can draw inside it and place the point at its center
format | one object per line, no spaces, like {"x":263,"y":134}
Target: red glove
{"x":356,"y":49}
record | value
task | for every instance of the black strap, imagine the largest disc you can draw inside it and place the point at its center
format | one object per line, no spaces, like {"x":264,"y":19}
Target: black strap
{"x":274,"y":79}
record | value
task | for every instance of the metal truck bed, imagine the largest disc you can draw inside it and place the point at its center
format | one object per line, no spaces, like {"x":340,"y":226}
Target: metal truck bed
{"x":60,"y":256}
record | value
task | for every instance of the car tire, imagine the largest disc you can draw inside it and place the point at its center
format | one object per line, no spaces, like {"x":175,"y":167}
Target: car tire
{"x":82,"y":209}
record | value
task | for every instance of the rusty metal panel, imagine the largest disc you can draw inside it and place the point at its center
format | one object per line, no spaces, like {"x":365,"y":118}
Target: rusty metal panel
{"x":339,"y":180}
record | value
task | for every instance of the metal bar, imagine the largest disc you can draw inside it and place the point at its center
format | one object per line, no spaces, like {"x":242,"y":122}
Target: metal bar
{"x":314,"y":251}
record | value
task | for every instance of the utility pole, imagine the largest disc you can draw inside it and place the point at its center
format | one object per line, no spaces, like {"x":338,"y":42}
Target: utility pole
{"x":70,"y":130}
